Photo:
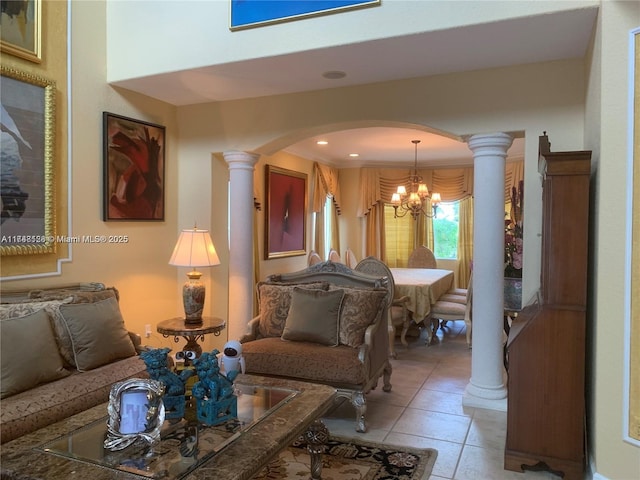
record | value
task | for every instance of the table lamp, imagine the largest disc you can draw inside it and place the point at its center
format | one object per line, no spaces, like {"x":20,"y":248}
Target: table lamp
{"x":193,"y":249}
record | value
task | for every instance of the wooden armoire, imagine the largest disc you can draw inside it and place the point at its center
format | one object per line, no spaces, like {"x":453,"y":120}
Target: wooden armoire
{"x":546,"y":344}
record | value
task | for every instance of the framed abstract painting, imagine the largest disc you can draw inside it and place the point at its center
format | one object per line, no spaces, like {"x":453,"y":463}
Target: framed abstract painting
{"x":286,"y":213}
{"x":133,"y":186}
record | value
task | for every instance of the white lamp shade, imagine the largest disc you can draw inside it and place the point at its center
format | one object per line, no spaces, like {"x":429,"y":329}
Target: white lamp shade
{"x":436,"y":198}
{"x":423,"y":191}
{"x":194,"y":248}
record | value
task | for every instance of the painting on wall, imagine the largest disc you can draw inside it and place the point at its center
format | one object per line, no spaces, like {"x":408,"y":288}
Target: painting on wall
{"x":286,"y":213}
{"x":20,"y":25}
{"x":256,"y":13}
{"x":134,"y":154}
{"x":27,"y":223}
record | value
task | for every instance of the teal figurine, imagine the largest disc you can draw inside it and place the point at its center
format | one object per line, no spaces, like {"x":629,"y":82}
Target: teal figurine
{"x":156,"y":361}
{"x":214,"y":392}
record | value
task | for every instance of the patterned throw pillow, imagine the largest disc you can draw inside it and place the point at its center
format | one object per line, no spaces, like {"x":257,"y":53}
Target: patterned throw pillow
{"x":314,"y":316}
{"x":360,"y":308}
{"x":274,"y":300}
{"x":15,"y":310}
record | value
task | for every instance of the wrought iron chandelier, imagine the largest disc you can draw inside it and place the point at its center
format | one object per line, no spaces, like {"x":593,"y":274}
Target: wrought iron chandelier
{"x":417,"y":201}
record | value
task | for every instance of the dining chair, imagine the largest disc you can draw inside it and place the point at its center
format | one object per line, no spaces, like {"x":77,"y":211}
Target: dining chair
{"x":313,"y":258}
{"x":443,"y":311}
{"x":334,"y":256}
{"x":422,"y":257}
{"x":350,"y":258}
{"x":398,"y":311}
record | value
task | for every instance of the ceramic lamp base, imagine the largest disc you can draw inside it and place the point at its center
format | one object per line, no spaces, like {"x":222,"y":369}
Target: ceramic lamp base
{"x":193,"y":293}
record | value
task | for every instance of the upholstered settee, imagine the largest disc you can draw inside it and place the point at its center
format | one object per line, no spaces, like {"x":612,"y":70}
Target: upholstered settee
{"x":326,"y":324}
{"x":62,"y":350}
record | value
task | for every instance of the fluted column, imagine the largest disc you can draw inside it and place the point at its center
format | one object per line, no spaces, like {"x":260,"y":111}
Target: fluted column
{"x":241,"y":167}
{"x":486,"y":387}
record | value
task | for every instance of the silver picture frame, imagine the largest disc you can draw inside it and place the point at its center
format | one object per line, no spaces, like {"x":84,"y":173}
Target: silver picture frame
{"x":136,"y":413}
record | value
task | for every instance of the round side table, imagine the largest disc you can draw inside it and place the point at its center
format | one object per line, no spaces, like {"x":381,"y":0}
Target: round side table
{"x":176,"y":327}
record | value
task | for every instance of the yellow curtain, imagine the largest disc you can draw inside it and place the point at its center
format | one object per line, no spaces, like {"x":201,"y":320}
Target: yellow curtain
{"x":465,"y":241}
{"x":325,"y":182}
{"x":375,"y":228}
{"x":399,"y":234}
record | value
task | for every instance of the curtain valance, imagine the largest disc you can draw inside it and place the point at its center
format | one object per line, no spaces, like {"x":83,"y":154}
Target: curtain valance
{"x":378,"y":184}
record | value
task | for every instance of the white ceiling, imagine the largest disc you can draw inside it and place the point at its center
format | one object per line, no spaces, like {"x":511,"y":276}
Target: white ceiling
{"x":556,"y":36}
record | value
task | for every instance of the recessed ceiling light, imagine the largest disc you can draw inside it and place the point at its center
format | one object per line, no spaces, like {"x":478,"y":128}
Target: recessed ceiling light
{"x":354,"y":154}
{"x":334,"y":74}
{"x":322,"y":142}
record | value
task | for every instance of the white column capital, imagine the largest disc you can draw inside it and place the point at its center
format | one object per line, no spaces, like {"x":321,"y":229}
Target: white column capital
{"x":490,"y":144}
{"x":238,"y":160}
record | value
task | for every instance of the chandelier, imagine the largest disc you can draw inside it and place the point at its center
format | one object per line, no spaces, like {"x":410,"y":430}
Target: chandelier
{"x":417,"y":200}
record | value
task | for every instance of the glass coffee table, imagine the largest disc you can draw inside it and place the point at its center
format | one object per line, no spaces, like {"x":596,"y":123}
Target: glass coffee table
{"x":272,"y":413}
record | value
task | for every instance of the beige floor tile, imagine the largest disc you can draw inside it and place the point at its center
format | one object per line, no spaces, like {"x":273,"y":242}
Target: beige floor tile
{"x":488,"y":429}
{"x":441,"y":426}
{"x":476,"y":463}
{"x":443,"y":402}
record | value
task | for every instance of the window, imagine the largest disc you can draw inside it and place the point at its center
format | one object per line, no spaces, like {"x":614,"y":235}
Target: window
{"x":445,"y":231}
{"x":401,"y":234}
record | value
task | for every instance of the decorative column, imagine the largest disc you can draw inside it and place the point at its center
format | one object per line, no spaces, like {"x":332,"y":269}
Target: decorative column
{"x":486,"y":387}
{"x":241,"y":167}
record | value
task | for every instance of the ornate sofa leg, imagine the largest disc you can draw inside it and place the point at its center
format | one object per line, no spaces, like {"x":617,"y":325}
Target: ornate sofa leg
{"x":386,"y":378}
{"x":360,"y":404}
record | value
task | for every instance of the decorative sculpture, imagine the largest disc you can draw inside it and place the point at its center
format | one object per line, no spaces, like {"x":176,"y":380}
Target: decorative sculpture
{"x":214,"y":392}
{"x":158,"y":369}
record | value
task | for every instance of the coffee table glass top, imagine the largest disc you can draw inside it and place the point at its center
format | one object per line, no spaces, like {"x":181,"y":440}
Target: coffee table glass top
{"x":183,"y":445}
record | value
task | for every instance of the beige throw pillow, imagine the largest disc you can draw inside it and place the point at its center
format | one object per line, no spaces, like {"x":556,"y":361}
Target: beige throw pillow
{"x":97,"y":331}
{"x":313,"y":316}
{"x":274,"y":302}
{"x":28,"y":353}
{"x":60,"y":326}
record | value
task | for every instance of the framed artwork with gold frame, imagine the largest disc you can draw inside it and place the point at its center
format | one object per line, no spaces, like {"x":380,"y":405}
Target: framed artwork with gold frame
{"x":286,"y":213}
{"x":27,"y":220}
{"x":20,"y":29}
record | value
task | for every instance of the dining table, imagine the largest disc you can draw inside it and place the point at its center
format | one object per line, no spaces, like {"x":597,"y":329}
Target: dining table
{"x":423,"y":286}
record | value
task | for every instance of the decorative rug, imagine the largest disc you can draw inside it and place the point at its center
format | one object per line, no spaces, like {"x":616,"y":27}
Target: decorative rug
{"x":352,"y":459}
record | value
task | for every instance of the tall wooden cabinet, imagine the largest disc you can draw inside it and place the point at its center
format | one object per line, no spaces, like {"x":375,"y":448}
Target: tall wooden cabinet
{"x":546,"y":345}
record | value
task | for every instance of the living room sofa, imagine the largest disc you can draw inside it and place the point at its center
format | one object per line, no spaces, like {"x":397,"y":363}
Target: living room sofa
{"x":62,"y":350}
{"x":326,"y":324}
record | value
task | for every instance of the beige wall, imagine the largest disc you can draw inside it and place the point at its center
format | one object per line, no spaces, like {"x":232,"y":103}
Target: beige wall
{"x":607,"y":134}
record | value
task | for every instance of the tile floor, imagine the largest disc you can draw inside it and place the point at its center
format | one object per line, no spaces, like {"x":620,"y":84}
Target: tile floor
{"x":424,"y":409}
